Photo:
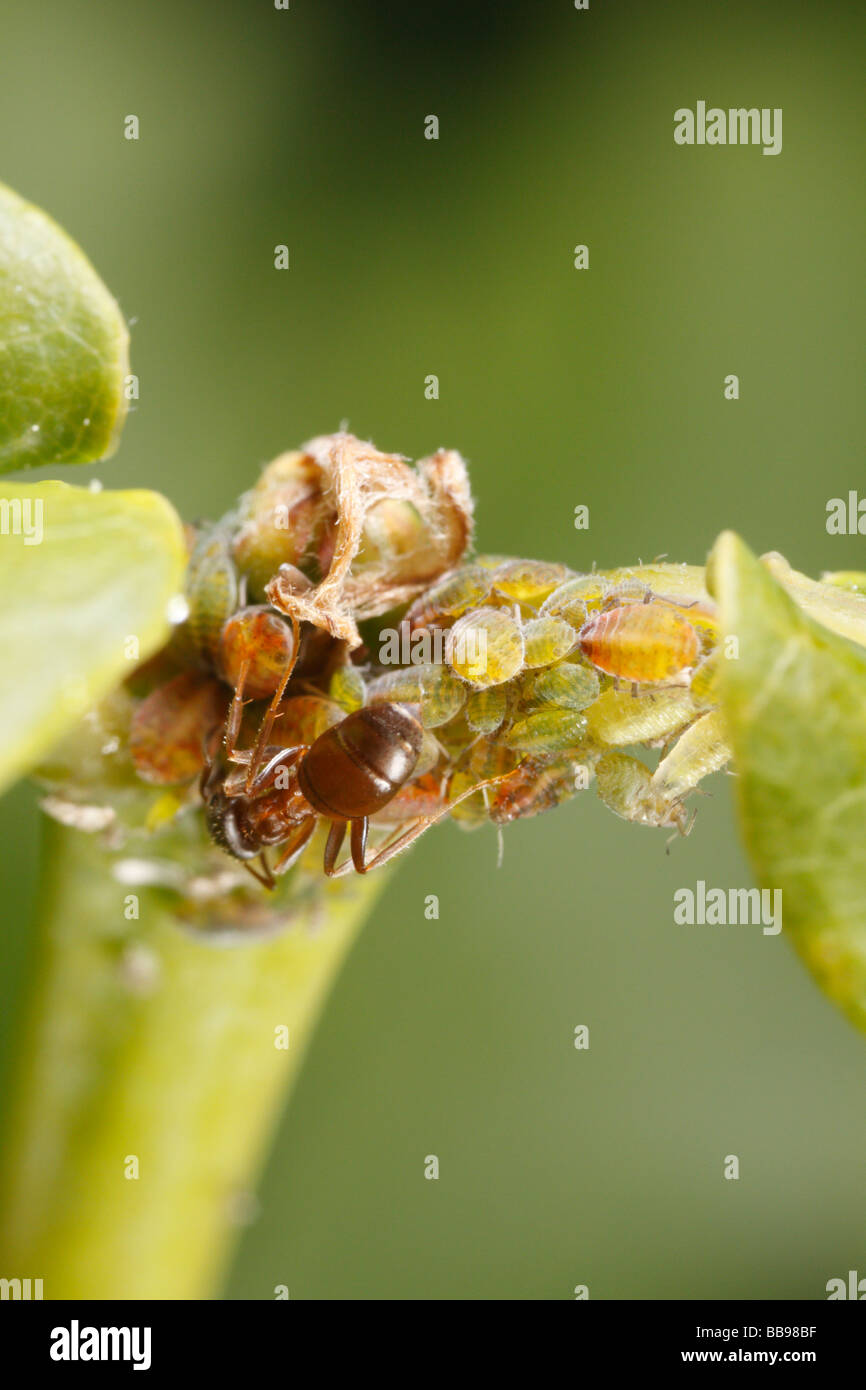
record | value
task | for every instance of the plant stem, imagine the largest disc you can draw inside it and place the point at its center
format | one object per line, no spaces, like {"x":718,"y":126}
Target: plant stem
{"x":163,"y":1063}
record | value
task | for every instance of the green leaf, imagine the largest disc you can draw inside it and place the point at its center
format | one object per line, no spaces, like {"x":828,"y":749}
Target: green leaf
{"x":80,"y":573}
{"x":795,"y":702}
{"x":63,"y":346}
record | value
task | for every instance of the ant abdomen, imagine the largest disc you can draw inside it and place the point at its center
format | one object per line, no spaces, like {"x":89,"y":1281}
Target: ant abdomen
{"x":355,"y":768}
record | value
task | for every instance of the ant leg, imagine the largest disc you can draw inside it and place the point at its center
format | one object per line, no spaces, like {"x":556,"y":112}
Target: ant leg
{"x":267,"y":725}
{"x":359,"y":843}
{"x":408,"y":836}
{"x":268,"y":777}
{"x":265,"y":878}
{"x":336,"y":836}
{"x":210,"y":773}
{"x":292,"y":849}
{"x":236,"y":713}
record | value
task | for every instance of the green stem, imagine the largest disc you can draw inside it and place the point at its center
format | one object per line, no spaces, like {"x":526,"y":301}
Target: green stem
{"x":183,"y":1076}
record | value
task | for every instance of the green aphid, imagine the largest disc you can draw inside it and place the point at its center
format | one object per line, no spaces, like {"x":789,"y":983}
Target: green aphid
{"x":347,"y":688}
{"x":485,"y":647}
{"x":212,"y":589}
{"x":618,"y":718}
{"x":573,"y":600}
{"x":626,"y":787}
{"x":528,"y":581}
{"x":703,"y":749}
{"x":547,"y":640}
{"x":549,"y":730}
{"x":431,"y":685}
{"x":570,"y":685}
{"x":485,"y":709}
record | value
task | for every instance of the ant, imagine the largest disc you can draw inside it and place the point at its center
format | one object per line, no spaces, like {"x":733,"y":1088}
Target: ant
{"x":274,"y":796}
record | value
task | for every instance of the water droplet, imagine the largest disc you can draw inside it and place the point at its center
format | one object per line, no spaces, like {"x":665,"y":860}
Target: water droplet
{"x":177,"y":609}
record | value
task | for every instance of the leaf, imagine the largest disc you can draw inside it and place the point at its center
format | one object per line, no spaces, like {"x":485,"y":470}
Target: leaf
{"x":795,"y":703}
{"x":80,"y":573}
{"x":63,"y":346}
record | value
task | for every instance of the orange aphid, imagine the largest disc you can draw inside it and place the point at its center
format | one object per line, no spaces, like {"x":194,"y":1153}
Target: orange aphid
{"x":170,"y":728}
{"x":644,"y":643}
{"x":303,"y":718}
{"x":259,"y":642}
{"x":534,"y":787}
{"x":422,"y":797}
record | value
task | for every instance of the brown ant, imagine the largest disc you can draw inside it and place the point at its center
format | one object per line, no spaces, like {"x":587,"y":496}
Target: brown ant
{"x":274,"y":796}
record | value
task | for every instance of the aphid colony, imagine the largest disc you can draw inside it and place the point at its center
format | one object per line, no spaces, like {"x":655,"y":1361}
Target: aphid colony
{"x":278,"y":707}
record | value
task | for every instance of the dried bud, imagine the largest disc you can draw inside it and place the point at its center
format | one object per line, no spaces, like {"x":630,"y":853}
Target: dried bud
{"x":282,"y":521}
{"x":388,"y":532}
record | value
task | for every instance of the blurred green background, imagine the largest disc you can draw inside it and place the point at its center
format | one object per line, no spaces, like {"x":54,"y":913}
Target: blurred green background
{"x":603,"y":387}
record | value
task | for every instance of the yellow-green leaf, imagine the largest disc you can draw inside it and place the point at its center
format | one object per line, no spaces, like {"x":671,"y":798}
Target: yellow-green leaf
{"x":85,"y":582}
{"x":794,"y":695}
{"x":63,"y":346}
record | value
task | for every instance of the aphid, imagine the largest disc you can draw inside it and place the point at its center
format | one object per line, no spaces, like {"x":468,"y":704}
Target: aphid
{"x":169,"y":728}
{"x":570,"y":685}
{"x":275,"y":796}
{"x":643,"y":643}
{"x":705,"y":681}
{"x":423,"y":796}
{"x":537,"y":786}
{"x":575,"y":598}
{"x":528,"y":581}
{"x":618,"y":718}
{"x":489,"y":757}
{"x":701,"y":750}
{"x":347,"y":688}
{"x":303,"y":718}
{"x":547,"y":640}
{"x":485,"y":709}
{"x":626,"y":787}
{"x":685,"y":584}
{"x":454,"y":595}
{"x":255,"y":648}
{"x":212,"y":589}
{"x":470,"y":807}
{"x":429,"y":685}
{"x":485,"y":647}
{"x":549,"y":730}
